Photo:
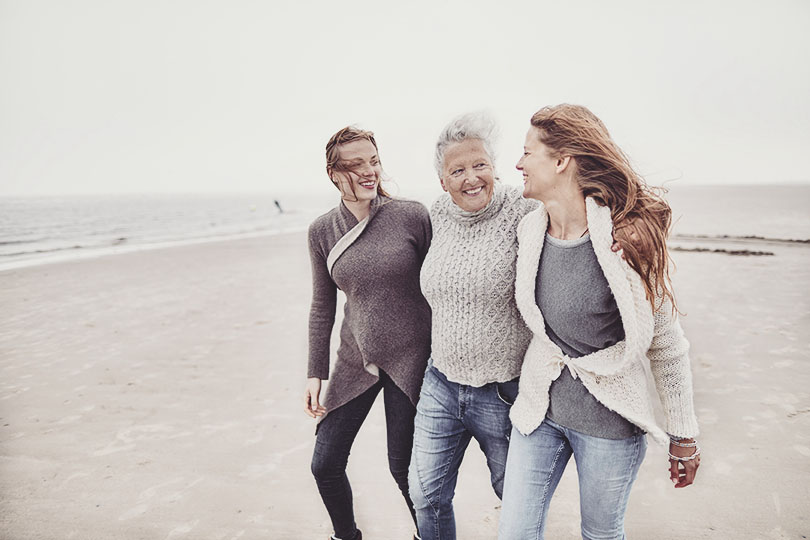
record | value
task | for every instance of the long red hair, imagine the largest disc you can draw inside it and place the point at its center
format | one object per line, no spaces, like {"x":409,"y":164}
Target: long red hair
{"x":641,"y":217}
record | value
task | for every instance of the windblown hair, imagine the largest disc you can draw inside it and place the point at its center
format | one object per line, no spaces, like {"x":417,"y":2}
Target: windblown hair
{"x":333,"y":162}
{"x":641,"y":217}
{"x":476,"y":125}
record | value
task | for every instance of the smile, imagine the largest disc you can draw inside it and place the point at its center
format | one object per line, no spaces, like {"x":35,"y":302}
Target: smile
{"x":369,"y":185}
{"x":474,"y":191}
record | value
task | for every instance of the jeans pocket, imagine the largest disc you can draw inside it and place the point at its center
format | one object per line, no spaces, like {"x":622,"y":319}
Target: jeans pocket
{"x":507,"y":391}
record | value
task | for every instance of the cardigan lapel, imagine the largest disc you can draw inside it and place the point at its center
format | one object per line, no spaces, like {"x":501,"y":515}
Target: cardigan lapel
{"x":624,"y":283}
{"x":531,"y":236}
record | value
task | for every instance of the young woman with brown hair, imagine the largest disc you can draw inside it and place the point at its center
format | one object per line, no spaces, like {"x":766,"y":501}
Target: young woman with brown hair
{"x":371,"y":247}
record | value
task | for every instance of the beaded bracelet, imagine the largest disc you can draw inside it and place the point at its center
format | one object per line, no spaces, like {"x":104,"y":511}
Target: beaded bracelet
{"x":687,"y":458}
{"x":676,"y":442}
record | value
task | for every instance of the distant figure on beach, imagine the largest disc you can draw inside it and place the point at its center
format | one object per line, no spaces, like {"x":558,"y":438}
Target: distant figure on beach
{"x":278,"y":205}
{"x":599,"y":321}
{"x":478,"y":339}
{"x":371,"y":247}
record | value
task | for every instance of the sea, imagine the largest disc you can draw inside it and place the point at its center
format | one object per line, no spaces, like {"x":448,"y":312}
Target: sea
{"x":43,"y":230}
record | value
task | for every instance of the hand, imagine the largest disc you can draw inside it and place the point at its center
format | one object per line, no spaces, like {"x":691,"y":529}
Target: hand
{"x":626,"y":236}
{"x":312,"y":395}
{"x":682,"y":473}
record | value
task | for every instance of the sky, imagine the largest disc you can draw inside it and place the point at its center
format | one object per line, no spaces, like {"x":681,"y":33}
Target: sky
{"x":110,"y":96}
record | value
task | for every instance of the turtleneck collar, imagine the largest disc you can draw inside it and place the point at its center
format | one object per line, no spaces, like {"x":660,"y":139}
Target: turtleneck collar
{"x":491,"y":209}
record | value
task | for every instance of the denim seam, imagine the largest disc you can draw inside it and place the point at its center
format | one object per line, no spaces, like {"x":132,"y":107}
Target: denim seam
{"x":498,"y":393}
{"x":538,"y":535}
{"x":629,"y":481}
{"x":436,"y":507}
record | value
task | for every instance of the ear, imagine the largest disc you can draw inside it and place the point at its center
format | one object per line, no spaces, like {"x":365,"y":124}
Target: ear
{"x":562,"y":164}
{"x":441,"y":181}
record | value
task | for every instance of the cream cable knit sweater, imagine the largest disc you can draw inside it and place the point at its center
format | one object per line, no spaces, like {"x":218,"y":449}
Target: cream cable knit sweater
{"x":615,"y":376}
{"x":468,"y":279}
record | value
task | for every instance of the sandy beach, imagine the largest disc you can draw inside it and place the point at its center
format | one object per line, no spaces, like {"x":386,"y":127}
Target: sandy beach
{"x":157,"y":395}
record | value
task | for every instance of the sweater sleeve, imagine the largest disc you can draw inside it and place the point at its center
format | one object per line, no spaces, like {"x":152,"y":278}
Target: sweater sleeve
{"x":322,"y":310}
{"x":671,"y":370}
{"x":425,"y":233}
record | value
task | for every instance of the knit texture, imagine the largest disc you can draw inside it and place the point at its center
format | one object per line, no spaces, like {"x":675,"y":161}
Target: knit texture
{"x":468,"y":279}
{"x":386,"y":319}
{"x":615,"y":375}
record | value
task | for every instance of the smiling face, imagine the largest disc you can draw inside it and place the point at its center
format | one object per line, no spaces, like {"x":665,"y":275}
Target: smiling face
{"x":541,"y":169}
{"x":357,"y":172}
{"x":468,"y":175}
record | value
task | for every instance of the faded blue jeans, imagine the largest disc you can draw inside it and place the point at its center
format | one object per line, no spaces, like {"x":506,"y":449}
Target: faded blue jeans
{"x":606,"y":468}
{"x":448,"y":416}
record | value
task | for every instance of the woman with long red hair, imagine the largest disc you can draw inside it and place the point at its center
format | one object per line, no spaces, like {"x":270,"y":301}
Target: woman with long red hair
{"x":599,"y":322}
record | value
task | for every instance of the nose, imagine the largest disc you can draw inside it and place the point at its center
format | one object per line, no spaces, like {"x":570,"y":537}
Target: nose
{"x":367,"y":171}
{"x":519,"y":164}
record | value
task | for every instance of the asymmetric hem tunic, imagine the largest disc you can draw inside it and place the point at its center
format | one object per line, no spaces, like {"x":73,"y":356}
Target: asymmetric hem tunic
{"x":386,"y":322}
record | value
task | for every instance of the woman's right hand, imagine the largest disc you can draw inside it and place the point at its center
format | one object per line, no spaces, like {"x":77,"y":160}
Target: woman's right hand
{"x":312,"y":394}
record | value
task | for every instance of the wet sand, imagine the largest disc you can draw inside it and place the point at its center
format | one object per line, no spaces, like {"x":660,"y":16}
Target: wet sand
{"x":157,"y":395}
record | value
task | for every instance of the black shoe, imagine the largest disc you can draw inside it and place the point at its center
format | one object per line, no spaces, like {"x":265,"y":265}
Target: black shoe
{"x":358,"y":536}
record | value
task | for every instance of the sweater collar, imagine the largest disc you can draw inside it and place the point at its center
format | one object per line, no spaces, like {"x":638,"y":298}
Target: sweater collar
{"x":491,"y":209}
{"x":350,"y":220}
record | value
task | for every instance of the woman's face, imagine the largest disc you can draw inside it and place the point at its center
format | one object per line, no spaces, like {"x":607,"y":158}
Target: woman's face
{"x":540,"y":169}
{"x":468,"y":175}
{"x":358,"y":171}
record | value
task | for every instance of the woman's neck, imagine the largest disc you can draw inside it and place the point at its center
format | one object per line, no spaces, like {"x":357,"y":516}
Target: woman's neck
{"x":567,"y":218}
{"x":360,"y":209}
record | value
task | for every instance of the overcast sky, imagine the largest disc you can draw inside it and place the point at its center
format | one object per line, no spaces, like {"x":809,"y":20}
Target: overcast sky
{"x":105,"y":96}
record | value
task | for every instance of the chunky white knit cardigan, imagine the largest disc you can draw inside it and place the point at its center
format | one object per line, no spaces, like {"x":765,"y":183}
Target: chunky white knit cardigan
{"x":616,"y":375}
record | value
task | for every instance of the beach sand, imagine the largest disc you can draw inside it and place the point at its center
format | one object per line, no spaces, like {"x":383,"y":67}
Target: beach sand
{"x":158,"y":395}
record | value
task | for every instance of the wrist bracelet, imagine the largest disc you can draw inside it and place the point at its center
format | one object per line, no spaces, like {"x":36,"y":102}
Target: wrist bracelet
{"x":692,"y":444}
{"x":687,"y":458}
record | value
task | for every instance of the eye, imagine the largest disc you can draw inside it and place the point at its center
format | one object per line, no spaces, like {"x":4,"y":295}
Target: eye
{"x":375,"y":162}
{"x":479,"y":165}
{"x":456,"y":172}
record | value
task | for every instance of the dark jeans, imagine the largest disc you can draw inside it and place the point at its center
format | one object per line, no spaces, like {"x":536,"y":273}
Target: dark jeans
{"x":335,"y":436}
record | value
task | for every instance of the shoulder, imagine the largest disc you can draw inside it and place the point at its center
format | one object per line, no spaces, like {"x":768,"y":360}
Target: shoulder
{"x":533,"y":223}
{"x":408,"y":208}
{"x":322,"y":224}
{"x":440,"y":205}
{"x":514,"y":200}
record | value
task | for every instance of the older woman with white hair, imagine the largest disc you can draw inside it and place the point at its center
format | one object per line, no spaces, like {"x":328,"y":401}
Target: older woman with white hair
{"x":478,"y":338}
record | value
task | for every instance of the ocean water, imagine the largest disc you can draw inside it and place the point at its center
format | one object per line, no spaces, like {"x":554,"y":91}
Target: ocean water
{"x":779,"y":212}
{"x":40,"y":230}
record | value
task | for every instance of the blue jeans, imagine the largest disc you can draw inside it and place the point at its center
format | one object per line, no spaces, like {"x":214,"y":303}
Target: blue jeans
{"x":606,"y":468}
{"x":448,"y":416}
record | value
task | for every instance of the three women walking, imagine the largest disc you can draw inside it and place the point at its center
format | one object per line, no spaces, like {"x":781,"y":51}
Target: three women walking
{"x":522,"y":286}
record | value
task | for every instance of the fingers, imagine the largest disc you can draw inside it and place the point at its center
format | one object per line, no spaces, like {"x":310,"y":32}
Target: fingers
{"x":307,"y":406}
{"x":311,"y":405}
{"x":673,"y":471}
{"x":682,"y":473}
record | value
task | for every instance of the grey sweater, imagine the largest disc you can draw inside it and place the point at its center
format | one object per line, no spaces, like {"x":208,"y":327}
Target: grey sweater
{"x":386,"y":318}
{"x":581,"y":317}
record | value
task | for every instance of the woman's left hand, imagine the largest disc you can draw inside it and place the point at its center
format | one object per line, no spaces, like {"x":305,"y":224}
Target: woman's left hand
{"x":682,"y":473}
